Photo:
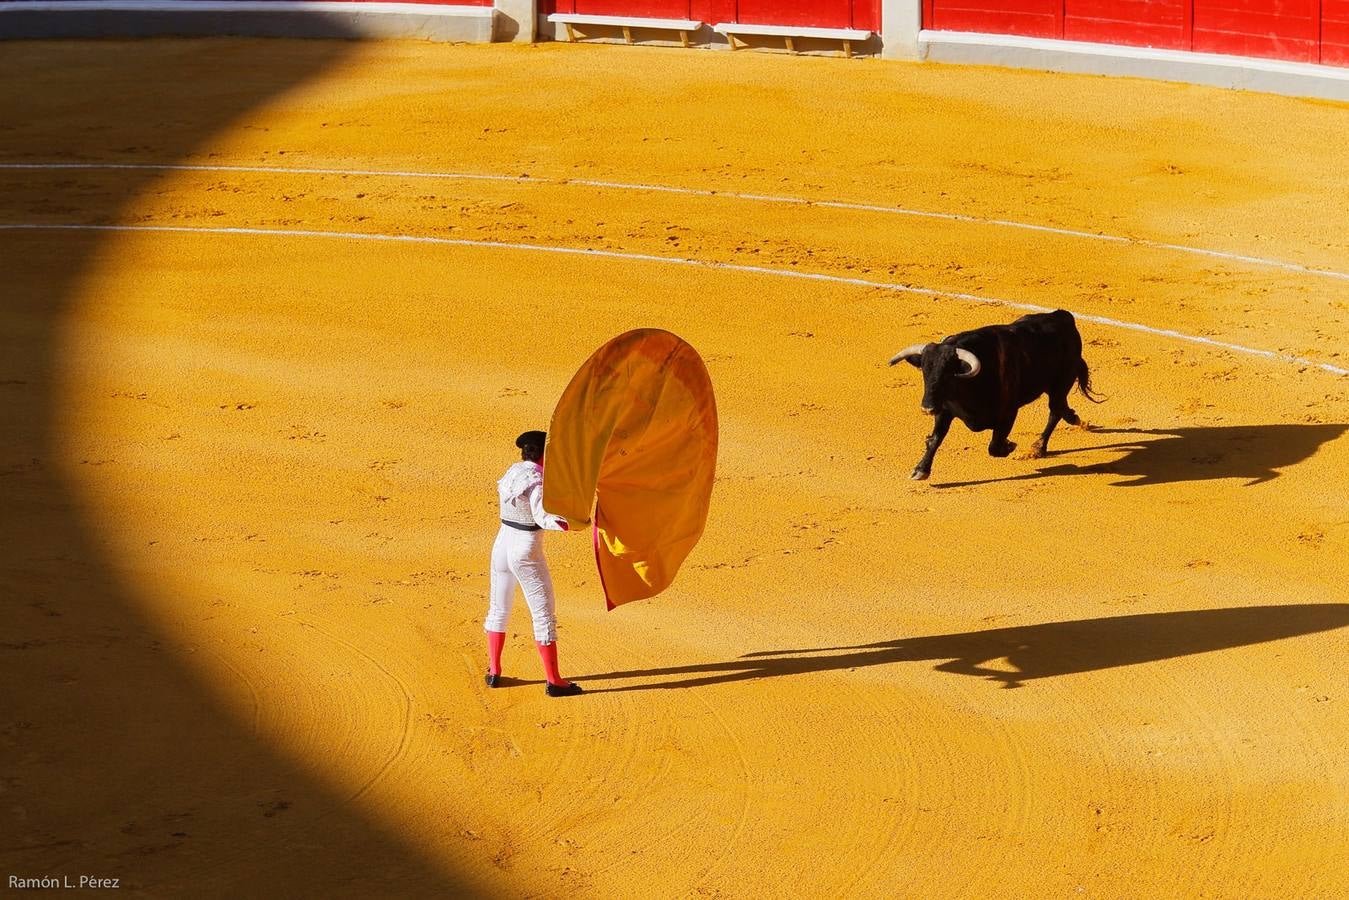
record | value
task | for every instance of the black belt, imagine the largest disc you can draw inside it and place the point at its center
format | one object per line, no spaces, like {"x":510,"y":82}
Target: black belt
{"x":520,"y":527}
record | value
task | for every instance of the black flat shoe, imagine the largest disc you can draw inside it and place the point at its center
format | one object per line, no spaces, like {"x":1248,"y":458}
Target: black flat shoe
{"x":492,"y":680}
{"x":562,"y":690}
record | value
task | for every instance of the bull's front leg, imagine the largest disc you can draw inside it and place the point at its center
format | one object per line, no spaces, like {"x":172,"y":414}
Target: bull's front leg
{"x":940,"y":425}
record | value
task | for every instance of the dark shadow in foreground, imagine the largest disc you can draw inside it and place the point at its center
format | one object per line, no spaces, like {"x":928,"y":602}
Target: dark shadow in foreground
{"x":1034,"y":651}
{"x":116,"y":760}
{"x":1170,"y":455}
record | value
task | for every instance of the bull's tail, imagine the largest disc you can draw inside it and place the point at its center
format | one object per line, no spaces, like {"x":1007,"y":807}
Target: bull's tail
{"x":1084,"y":382}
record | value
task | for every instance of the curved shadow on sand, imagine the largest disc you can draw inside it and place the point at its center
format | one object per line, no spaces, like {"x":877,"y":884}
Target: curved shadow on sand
{"x":1254,"y":453}
{"x":1033,"y":651}
{"x":115,"y":759}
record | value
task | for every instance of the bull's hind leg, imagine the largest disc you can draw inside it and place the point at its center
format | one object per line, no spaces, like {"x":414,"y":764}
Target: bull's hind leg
{"x":1037,"y":449}
{"x":1059,"y":410}
{"x":999,"y":445}
{"x":1061,"y":407}
{"x":940,"y":426}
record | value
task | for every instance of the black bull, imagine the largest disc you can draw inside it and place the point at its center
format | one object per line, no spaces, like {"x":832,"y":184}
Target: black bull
{"x":983,"y":377}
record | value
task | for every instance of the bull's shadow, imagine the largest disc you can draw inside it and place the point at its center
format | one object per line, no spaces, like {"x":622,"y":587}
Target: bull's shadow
{"x":1033,"y":651}
{"x":1254,"y":453}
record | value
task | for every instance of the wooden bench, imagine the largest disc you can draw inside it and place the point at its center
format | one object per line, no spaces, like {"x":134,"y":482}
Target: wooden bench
{"x":791,"y":32}
{"x":627,"y":23}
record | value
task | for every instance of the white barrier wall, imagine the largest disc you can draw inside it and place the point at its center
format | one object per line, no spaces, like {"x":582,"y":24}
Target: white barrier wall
{"x":901,"y":21}
{"x":470,"y":21}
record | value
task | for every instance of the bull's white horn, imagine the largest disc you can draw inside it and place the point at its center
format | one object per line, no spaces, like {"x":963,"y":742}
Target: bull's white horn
{"x":907,"y":352}
{"x":971,"y":362}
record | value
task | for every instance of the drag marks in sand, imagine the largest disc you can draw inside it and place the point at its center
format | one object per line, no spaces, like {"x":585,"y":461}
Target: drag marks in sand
{"x":731,"y":267}
{"x":671,"y":189}
{"x":823,"y":240}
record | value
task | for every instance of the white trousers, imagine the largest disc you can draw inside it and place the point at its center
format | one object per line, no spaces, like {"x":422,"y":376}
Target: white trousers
{"x":517,"y":559}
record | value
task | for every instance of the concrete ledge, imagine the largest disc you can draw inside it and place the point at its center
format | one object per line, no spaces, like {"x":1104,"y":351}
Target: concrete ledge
{"x":262,"y":18}
{"x":1242,"y":72}
{"x":833,"y":34}
{"x":738,"y":35}
{"x":628,"y":21}
{"x":625,"y":24}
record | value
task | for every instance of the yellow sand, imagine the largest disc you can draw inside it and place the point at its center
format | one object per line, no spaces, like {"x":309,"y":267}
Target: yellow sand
{"x":248,"y":494}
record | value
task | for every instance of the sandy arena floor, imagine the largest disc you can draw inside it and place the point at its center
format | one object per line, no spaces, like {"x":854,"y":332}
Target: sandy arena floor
{"x":248,"y":478}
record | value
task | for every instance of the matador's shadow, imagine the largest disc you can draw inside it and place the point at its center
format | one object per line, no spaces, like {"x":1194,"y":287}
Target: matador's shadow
{"x":1255,"y":453}
{"x":1033,"y":651}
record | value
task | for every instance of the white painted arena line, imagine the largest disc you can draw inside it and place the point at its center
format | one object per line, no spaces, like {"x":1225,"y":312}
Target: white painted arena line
{"x":703,"y":192}
{"x":681,"y":261}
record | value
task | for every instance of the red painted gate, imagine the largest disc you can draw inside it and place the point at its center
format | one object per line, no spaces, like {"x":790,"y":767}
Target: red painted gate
{"x":653,"y":9}
{"x":1030,"y":18}
{"x":1335,"y":32}
{"x":865,"y":14}
{"x":1287,"y":29}
{"x":1299,"y":30}
{"x":649,"y":9}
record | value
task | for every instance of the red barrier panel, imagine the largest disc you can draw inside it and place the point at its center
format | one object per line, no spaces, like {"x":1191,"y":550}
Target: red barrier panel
{"x":651,"y":9}
{"x":1335,"y":32}
{"x":1138,"y":23}
{"x":1282,"y":29}
{"x":1299,"y":30}
{"x":811,"y":13}
{"x":864,"y":14}
{"x":1028,"y":18}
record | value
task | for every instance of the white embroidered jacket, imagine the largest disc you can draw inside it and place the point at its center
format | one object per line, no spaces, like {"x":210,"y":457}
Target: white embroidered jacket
{"x":520,"y":491}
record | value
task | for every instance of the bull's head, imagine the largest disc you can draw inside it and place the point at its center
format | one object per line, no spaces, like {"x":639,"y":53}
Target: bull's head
{"x":939,"y":363}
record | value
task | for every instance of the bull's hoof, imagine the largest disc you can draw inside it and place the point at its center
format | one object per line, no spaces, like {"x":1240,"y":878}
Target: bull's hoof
{"x":920,"y":474}
{"x":1005,"y":450}
{"x":1036,"y":451}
